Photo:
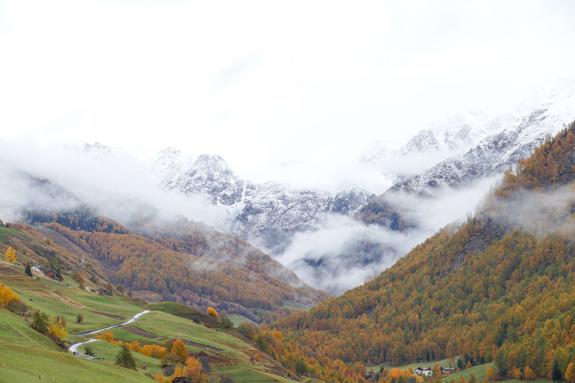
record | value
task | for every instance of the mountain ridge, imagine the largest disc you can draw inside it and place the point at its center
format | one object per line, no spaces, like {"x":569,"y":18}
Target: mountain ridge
{"x":269,"y":213}
{"x":486,"y":290}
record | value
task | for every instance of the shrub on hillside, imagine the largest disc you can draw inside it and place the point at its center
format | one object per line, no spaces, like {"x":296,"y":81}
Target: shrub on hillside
{"x":125,"y":358}
{"x":40,"y":322}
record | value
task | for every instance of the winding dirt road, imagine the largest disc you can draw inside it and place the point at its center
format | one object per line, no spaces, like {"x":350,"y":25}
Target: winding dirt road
{"x":74,"y":348}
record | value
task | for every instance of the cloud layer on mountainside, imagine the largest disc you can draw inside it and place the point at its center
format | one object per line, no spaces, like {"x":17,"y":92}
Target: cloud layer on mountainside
{"x":340,"y":253}
{"x":113,"y":183}
{"x":537,"y":212}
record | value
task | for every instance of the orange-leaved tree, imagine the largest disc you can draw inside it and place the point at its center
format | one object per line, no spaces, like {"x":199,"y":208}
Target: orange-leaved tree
{"x":529,"y":374}
{"x":212,"y":312}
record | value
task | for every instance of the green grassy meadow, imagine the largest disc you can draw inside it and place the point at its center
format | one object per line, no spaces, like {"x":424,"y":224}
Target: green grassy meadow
{"x":237,"y":320}
{"x":28,"y":356}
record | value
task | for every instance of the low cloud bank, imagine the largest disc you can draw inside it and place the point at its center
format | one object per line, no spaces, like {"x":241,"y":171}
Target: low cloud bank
{"x":113,"y":183}
{"x":537,"y":212}
{"x":340,"y":253}
{"x":336,"y":254}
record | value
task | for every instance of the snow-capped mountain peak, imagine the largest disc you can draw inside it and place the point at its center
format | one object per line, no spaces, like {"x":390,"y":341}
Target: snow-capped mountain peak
{"x":211,"y":166}
{"x":513,"y":137}
{"x":209,"y":175}
{"x":268,"y":214}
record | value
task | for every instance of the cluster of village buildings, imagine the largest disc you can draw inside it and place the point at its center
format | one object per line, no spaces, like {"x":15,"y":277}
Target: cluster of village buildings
{"x":429,"y":371}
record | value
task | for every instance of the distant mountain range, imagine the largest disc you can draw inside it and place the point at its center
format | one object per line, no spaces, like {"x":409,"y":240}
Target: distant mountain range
{"x":504,"y":141}
{"x":455,"y":153}
{"x":450,"y":156}
{"x":267,"y":214}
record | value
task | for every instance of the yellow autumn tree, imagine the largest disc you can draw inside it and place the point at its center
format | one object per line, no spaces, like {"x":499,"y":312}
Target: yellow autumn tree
{"x":516,"y":373}
{"x":7,"y":296}
{"x":179,"y":349}
{"x":570,"y":373}
{"x":133,"y":346}
{"x":396,"y":373}
{"x":529,"y":374}
{"x":436,"y":371}
{"x":212,"y":312}
{"x":57,"y":330}
{"x":277,"y":335}
{"x":490,"y":374}
{"x":153,"y":350}
{"x":179,"y":371}
{"x":10,"y":255}
{"x":193,"y":369}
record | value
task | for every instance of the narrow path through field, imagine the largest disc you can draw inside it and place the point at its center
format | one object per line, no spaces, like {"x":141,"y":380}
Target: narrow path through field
{"x":74,"y":348}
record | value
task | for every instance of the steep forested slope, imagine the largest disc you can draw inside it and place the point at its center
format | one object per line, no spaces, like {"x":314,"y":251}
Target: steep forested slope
{"x":201,"y":268}
{"x":499,"y":287}
{"x":184,"y":262}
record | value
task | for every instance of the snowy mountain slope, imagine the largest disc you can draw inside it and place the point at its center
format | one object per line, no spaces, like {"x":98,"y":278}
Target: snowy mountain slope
{"x":428,"y":147}
{"x":519,"y":133}
{"x":442,"y":140}
{"x":513,"y":137}
{"x":456,"y":133}
{"x":267,"y":214}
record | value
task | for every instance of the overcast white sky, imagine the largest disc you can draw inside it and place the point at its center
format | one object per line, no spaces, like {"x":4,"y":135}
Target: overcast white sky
{"x":267,"y":82}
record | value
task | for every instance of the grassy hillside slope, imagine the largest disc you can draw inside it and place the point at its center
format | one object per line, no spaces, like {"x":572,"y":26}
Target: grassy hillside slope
{"x":29,"y":356}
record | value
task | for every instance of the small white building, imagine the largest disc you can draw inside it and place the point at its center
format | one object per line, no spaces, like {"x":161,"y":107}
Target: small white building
{"x":423,"y":371}
{"x":37,"y":270}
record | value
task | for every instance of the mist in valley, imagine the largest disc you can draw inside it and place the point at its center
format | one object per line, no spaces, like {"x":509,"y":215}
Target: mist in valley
{"x":335,"y":253}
